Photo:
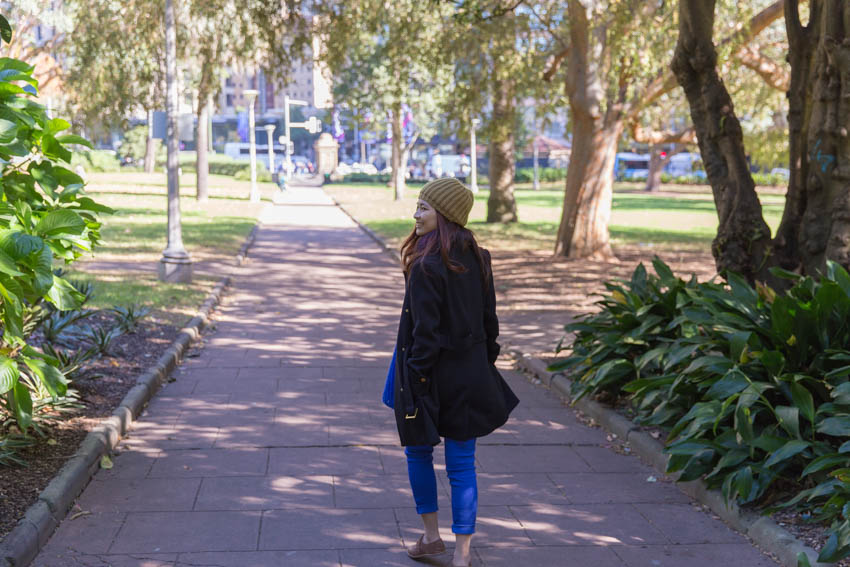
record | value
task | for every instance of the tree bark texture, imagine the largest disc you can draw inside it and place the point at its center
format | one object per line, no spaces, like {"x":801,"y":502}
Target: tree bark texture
{"x":398,"y":161}
{"x":656,"y":168}
{"x":202,"y":162}
{"x":743,"y":243}
{"x":150,"y":155}
{"x":501,"y":205}
{"x":816,"y":223}
{"x":583,"y":232}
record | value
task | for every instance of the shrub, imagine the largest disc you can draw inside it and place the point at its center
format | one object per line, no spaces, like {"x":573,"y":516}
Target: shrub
{"x":45,"y":216}
{"x":751,"y":384}
{"x":96,"y":161}
{"x":545,"y":174}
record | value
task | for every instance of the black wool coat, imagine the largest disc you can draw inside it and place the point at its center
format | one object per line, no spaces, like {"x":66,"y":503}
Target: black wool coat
{"x":446,"y":348}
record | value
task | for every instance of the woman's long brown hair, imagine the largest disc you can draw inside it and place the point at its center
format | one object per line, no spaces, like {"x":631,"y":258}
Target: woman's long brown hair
{"x":441,"y":240}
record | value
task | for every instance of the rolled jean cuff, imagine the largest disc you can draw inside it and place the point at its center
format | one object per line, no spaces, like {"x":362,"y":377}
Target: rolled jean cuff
{"x":426,"y":508}
{"x":463,"y":529}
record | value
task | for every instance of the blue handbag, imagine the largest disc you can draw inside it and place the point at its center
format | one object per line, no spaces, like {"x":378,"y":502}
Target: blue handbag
{"x":389,"y":387}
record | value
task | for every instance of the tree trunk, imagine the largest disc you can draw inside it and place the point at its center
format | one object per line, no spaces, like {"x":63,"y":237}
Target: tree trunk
{"x":743,"y":242}
{"x":656,"y":166}
{"x":657,"y":163}
{"x":801,"y":44}
{"x":501,"y":205}
{"x":201,"y":147}
{"x":150,"y":146}
{"x":818,"y":200}
{"x":150,"y":155}
{"x":398,"y":160}
{"x":583,"y":232}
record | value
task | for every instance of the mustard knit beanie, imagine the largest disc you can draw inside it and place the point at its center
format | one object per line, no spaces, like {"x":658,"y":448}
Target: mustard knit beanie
{"x":450,"y":197}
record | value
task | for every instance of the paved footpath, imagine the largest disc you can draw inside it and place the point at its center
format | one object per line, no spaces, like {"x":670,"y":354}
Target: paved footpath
{"x":272,"y":448}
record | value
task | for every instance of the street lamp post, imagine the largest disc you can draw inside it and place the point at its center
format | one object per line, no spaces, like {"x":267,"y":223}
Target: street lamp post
{"x":175,"y":264}
{"x":473,"y":156}
{"x":251,"y":95}
{"x":269,"y":128}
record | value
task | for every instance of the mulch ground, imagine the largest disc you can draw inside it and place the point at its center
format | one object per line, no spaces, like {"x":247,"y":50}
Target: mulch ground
{"x":100,"y":389}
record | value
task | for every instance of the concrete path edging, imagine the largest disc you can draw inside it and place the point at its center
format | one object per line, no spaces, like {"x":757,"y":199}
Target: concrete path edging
{"x":22,"y":544}
{"x":766,"y":533}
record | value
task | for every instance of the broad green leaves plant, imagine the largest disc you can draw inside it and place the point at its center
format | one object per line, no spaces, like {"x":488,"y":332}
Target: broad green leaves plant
{"x":750,"y":384}
{"x":44,"y":216}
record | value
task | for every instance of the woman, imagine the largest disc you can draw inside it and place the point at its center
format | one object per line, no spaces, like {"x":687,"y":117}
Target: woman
{"x":446,"y":384}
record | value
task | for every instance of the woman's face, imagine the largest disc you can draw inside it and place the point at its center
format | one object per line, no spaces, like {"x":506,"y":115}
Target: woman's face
{"x":426,"y":218}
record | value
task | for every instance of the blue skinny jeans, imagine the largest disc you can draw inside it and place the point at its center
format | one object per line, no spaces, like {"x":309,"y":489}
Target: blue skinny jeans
{"x":460,"y":464}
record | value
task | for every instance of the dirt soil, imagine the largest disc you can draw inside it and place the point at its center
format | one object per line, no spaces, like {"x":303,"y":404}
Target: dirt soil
{"x":100,"y":389}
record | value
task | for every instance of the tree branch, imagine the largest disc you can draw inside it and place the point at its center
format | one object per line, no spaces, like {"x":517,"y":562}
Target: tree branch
{"x":665,"y":81}
{"x":657,"y":137}
{"x":554,"y":64}
{"x":774,"y":74}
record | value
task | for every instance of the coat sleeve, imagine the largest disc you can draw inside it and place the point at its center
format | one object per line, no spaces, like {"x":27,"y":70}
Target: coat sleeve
{"x":427,"y":290}
{"x":491,"y":322}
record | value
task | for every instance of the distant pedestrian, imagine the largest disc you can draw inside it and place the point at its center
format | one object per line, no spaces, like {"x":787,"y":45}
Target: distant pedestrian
{"x":445,"y":381}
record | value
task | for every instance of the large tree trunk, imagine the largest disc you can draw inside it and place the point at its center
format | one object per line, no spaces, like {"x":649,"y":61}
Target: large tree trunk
{"x":801,"y":45}
{"x":501,"y":205}
{"x":583,"y":232}
{"x":398,"y":161}
{"x":743,"y":242}
{"x":202,"y":142}
{"x":818,"y":199}
{"x":656,"y":167}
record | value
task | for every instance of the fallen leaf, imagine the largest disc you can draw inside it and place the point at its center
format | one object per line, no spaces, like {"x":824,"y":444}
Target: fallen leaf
{"x":651,"y":479}
{"x":79,"y":514}
{"x":105,"y":462}
{"x":51,"y":441}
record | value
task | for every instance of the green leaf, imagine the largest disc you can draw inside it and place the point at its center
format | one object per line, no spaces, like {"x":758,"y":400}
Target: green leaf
{"x":838,"y":426}
{"x":791,"y":448}
{"x":8,"y":131}
{"x":60,"y":221}
{"x":733,"y":382}
{"x":56,"y":125}
{"x":789,"y":419}
{"x":54,"y":381}
{"x":824,"y":462}
{"x":803,"y":400}
{"x":8,"y":266}
{"x":52,"y":148}
{"x":803,"y":560}
{"x":737,"y":344}
{"x":8,"y":374}
{"x":12,"y":310}
{"x":5,"y":30}
{"x":64,"y":295}
{"x":23,"y":405}
{"x":74,"y":139}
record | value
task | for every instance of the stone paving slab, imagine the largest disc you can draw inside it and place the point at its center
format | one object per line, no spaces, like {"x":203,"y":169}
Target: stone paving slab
{"x":271,"y":447}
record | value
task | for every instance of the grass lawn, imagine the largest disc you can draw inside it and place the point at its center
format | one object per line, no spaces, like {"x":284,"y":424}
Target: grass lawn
{"x":123,"y":268}
{"x":682,"y":219}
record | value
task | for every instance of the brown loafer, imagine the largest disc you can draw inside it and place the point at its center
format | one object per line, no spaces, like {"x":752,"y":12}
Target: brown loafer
{"x":420,"y":549}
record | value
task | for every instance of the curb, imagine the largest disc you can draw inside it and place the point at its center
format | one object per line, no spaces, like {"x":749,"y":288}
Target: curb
{"x":762,"y":530}
{"x":380,"y":242}
{"x":22,"y":544}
